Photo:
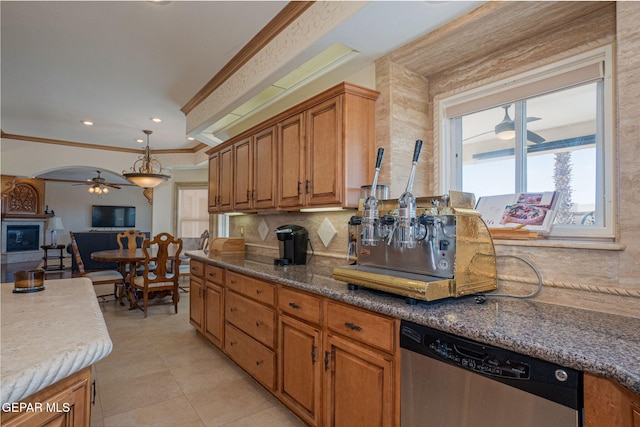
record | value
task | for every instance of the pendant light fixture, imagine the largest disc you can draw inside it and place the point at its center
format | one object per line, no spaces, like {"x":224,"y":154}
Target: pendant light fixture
{"x":143,"y":172}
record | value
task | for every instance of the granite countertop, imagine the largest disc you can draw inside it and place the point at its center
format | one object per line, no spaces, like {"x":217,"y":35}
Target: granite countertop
{"x":599,"y":343}
{"x":49,"y":335}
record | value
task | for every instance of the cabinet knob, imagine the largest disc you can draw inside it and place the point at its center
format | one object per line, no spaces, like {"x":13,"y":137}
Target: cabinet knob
{"x":232,"y":309}
{"x":259,"y":362}
{"x":233,"y":282}
{"x":232,"y":342}
{"x":258,"y":291}
{"x":258,"y":323}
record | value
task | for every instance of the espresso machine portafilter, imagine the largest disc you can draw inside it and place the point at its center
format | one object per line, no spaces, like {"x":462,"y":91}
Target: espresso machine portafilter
{"x":369,"y":235}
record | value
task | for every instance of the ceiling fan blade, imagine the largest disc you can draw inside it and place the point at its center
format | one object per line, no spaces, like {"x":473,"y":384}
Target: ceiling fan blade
{"x":478,"y":134}
{"x":533,"y":119}
{"x":534,"y":137}
{"x":112,"y":185}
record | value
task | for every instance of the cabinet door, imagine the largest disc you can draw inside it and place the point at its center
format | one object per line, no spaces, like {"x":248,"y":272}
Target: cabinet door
{"x":324,"y":180}
{"x":300,"y":368}
{"x":213,"y":314}
{"x":358,"y":385}
{"x":609,"y":404}
{"x":65,"y":403}
{"x":226,"y":180}
{"x":242,"y":175}
{"x":214,"y":182}
{"x":196,"y":302}
{"x":291,"y":162}
{"x":264,"y":169}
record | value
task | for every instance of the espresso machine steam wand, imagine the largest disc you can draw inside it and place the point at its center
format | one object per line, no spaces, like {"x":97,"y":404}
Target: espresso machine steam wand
{"x":404,"y":229}
{"x":370,"y":214}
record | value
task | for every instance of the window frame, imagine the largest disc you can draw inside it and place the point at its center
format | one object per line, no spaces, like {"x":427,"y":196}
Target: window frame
{"x":451,"y":162}
{"x":182,"y":187}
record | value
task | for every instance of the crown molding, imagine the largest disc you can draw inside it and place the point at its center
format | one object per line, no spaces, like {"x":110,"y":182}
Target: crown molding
{"x":195,"y":149}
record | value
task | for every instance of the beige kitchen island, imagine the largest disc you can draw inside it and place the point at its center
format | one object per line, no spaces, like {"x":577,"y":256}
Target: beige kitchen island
{"x":50,"y":340}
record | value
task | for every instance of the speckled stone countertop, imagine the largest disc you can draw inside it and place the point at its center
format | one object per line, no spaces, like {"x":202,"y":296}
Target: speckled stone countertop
{"x":600,"y":343}
{"x":49,"y":335}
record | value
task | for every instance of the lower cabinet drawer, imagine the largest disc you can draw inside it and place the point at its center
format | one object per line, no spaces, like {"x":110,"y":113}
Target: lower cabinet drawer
{"x":369,"y":328}
{"x":255,"y":319}
{"x":253,"y":357}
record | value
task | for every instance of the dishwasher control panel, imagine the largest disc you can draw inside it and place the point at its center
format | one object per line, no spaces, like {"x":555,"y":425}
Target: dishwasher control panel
{"x":476,"y":359}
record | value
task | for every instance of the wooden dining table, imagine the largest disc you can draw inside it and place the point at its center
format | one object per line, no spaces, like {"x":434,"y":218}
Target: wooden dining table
{"x":124,"y":257}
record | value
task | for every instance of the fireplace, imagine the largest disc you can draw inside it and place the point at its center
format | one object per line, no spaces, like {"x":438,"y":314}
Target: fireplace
{"x":23,"y":238}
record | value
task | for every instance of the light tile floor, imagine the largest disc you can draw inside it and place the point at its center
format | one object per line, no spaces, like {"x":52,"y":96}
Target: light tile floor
{"x":161,"y":372}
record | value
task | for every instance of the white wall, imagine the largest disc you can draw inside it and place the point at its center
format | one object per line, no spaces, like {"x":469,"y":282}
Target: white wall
{"x":73,"y":205}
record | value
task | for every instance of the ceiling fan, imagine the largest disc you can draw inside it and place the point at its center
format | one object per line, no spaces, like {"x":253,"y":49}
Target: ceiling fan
{"x":506,"y":129}
{"x":99,"y":185}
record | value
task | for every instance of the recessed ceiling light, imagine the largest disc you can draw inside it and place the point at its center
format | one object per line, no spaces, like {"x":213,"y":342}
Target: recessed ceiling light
{"x":156,"y":119}
{"x":139,"y":140}
{"x":190,"y":138}
{"x":87,"y":122}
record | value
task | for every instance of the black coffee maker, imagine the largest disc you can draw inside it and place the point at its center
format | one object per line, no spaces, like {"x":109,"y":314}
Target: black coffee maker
{"x":292,"y":240}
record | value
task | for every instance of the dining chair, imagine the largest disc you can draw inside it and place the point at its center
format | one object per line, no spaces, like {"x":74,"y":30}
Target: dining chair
{"x":101,"y":277}
{"x":133,"y":239}
{"x":185,"y":265}
{"x":164,"y":251}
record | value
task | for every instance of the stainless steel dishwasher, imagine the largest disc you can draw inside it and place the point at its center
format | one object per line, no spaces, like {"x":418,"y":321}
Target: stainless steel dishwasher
{"x":448,"y":381}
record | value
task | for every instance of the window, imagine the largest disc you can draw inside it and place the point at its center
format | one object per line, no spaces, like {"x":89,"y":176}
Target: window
{"x":548,"y":130}
{"x":193,"y":214}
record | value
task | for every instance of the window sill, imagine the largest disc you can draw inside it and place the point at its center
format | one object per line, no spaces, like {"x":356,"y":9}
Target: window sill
{"x":562,"y":244}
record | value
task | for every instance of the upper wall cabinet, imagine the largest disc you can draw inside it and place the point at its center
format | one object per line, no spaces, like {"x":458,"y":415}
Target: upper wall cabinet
{"x":316,"y":154}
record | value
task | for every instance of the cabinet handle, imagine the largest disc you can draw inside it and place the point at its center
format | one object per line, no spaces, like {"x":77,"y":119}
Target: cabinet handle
{"x":313,"y":354}
{"x":259,"y":362}
{"x":306,"y":187}
{"x":232,"y":309}
{"x":352,"y":326}
{"x":248,"y":195}
{"x":93,"y":393}
{"x":233,"y":282}
{"x":299,"y":185}
{"x":253,"y":194}
{"x":258,"y":323}
{"x":294,"y":305}
{"x":232,"y":343}
{"x":258,"y":291}
{"x":326,"y":360}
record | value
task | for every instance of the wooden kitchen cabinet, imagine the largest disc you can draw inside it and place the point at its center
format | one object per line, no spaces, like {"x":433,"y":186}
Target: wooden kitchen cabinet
{"x":206,"y":301}
{"x":214,"y":182}
{"x":220,"y":180}
{"x":336,"y":139}
{"x":360,"y":379}
{"x":254,"y":171}
{"x":359,"y":385}
{"x":225,"y":184}
{"x":609,"y":404}
{"x":300,"y":353}
{"x":64,"y":403}
{"x":316,"y":154}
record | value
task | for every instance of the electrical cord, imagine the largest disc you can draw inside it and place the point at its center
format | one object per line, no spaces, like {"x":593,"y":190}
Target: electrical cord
{"x":483,"y":297}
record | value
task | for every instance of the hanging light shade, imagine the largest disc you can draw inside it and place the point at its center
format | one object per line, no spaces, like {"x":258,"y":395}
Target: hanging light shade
{"x":147,"y":171}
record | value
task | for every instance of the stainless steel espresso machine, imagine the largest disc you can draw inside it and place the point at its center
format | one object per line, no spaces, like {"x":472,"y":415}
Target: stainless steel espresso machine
{"x":424,"y":248}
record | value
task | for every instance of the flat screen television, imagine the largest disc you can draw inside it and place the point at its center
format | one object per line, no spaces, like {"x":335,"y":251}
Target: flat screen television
{"x":113,"y":216}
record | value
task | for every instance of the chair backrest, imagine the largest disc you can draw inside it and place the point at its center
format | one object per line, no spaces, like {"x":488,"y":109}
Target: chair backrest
{"x":131,"y":236}
{"x":76,"y":254}
{"x":164,"y":250}
{"x":204,"y":240}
